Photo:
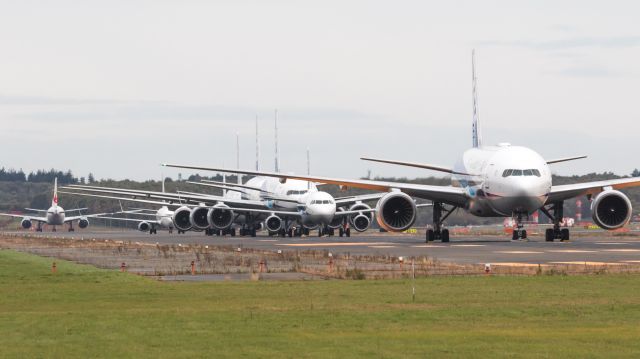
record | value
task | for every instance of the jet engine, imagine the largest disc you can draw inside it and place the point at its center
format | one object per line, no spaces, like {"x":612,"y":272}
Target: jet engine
{"x":360,"y":207}
{"x":396,"y":212}
{"x":198,"y":218}
{"x":611,"y":209}
{"x":83,"y":222}
{"x":360,"y":222}
{"x":144,"y":226}
{"x":26,"y":223}
{"x":181,"y":218}
{"x":273,"y":223}
{"x":220,"y":216}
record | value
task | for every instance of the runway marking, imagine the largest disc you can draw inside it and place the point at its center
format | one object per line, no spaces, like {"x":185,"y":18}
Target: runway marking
{"x":428,"y":246}
{"x":612,"y":243}
{"x":621,"y":250}
{"x":267,"y":240}
{"x":515,"y":264}
{"x":572,"y":251}
{"x":589,"y":263}
{"x":382,"y":247}
{"x":468,"y":245}
{"x":339,"y":244}
{"x":518,"y":252}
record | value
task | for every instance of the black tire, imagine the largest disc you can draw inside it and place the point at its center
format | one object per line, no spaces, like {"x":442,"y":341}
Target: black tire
{"x":348,"y":232}
{"x":515,"y":235}
{"x":233,"y":232}
{"x":340,"y":232}
{"x":564,"y":234}
{"x":549,"y":235}
{"x":523,"y":234}
{"x":253,"y":232}
{"x":431,"y":235}
{"x":445,"y":236}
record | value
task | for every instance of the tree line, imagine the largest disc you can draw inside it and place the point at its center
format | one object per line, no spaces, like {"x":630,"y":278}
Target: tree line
{"x":12,"y":175}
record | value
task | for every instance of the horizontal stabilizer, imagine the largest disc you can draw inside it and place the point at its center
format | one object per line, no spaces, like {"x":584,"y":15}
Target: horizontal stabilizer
{"x":566,"y":159}
{"x":417,"y":165}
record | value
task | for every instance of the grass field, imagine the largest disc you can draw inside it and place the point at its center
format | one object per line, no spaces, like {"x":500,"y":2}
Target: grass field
{"x":82,"y":311}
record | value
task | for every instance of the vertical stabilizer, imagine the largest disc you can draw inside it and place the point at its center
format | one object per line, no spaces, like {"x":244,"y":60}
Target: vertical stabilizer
{"x":257,"y":147}
{"x":477,"y":135}
{"x":277,"y":163}
{"x":162,"y":182}
{"x":239,"y":178}
{"x":308,"y":168}
{"x":54,"y":202}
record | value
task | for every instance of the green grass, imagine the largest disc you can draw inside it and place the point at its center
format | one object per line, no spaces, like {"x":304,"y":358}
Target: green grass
{"x":86,"y":312}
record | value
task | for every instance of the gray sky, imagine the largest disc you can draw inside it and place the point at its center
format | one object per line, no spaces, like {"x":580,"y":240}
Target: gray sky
{"x":117,"y":87}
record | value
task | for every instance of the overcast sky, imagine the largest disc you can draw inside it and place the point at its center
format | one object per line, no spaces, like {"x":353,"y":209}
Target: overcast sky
{"x":117,"y":87}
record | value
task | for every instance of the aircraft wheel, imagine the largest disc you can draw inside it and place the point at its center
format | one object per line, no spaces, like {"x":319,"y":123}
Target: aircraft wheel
{"x":515,"y":235}
{"x":564,"y":234}
{"x":523,"y":234}
{"x":431,"y":235}
{"x":445,"y":235}
{"x":347,"y":232}
{"x":549,"y":235}
{"x":233,"y":232}
{"x":253,"y":232}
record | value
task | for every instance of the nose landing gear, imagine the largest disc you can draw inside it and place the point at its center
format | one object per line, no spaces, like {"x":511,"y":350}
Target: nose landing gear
{"x":554,"y":233}
{"x":519,"y":232}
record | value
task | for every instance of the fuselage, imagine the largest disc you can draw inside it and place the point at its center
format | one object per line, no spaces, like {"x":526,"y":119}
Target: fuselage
{"x":503,"y":180}
{"x":164,"y":217}
{"x":55,"y":215}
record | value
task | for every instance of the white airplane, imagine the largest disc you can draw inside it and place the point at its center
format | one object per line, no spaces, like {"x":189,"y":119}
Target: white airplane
{"x":487,"y":181}
{"x":54,"y":216}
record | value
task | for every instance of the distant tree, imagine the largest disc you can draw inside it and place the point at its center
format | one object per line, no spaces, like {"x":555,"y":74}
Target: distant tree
{"x":82,"y":180}
{"x":635,"y":173}
{"x":90,"y":178}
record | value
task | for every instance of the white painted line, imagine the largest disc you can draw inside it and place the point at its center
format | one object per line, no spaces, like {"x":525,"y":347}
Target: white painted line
{"x":590,"y":263}
{"x":621,"y":250}
{"x":612,"y":243}
{"x":428,"y":246}
{"x":518,"y":252}
{"x":468,"y":245}
{"x":338,"y":244}
{"x":515,"y":264}
{"x":571,"y":251}
{"x":267,"y":240}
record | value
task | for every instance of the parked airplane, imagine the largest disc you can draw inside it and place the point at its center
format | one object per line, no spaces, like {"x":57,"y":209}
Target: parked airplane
{"x":54,"y":216}
{"x":487,"y":181}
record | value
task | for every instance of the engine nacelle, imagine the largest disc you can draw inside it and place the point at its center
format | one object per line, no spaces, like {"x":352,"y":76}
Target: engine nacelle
{"x":26,"y":223}
{"x":144,"y":226}
{"x":273,"y":223}
{"x":611,"y":210}
{"x":220,"y":217}
{"x":360,"y":207}
{"x":199,"y":218}
{"x":360,"y":222}
{"x":396,"y":212}
{"x":182,"y":218}
{"x":83,"y":222}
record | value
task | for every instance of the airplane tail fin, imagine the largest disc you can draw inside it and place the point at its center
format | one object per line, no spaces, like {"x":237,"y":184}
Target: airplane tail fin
{"x":477,"y":136}
{"x":54,"y":202}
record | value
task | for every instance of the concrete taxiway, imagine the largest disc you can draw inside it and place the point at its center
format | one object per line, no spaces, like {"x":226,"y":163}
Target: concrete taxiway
{"x":598,"y":249}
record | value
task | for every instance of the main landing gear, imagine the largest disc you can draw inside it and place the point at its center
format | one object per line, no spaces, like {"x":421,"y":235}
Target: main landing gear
{"x":440,"y":214}
{"x":554,"y":233}
{"x":153,"y":230}
{"x":519,"y":232}
{"x":71,"y":229}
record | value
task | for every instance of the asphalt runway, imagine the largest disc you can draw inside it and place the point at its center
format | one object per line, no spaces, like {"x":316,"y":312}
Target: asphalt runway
{"x":598,"y":249}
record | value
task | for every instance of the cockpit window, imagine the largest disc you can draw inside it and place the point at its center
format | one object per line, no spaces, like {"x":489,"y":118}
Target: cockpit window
{"x":528,"y":172}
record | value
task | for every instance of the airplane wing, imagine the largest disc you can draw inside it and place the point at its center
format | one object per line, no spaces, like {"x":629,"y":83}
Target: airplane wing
{"x":170,"y":198}
{"x":568,"y":191}
{"x":447,"y":194}
{"x":347,"y":201}
{"x":37,"y":219}
{"x":75,"y":218}
{"x":268,"y":212}
{"x":154,"y":221}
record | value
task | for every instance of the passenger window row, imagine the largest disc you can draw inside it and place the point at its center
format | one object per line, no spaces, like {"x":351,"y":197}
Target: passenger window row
{"x":295,"y":193}
{"x":512,"y":172}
